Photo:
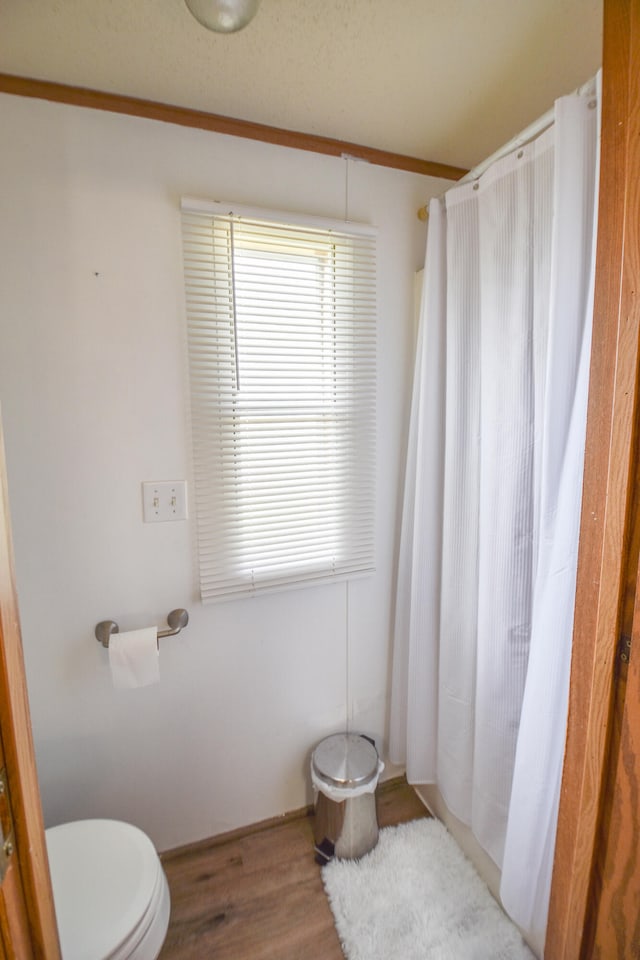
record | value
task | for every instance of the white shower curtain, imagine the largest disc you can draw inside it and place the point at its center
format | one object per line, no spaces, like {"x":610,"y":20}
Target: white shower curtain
{"x":487,"y":568}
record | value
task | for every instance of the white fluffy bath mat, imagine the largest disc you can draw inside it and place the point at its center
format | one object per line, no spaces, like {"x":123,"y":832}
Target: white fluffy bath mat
{"x":417,"y":897}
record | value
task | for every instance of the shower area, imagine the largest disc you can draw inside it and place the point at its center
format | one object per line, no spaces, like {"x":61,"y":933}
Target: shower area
{"x":488,"y":555}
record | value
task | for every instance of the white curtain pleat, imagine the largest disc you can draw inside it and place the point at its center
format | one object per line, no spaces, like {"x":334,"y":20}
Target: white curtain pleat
{"x":530,"y":836}
{"x":501,"y":361}
{"x":459,"y":598}
{"x":415,"y":671}
{"x":515,"y":203}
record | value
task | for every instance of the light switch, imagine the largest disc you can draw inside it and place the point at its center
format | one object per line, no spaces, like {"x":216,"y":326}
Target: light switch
{"x":164,"y":500}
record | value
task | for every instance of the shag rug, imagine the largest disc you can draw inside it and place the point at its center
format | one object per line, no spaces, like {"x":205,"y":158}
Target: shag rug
{"x":417,"y":897}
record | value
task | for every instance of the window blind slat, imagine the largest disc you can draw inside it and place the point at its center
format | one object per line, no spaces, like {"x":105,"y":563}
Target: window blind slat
{"x":282,"y":365}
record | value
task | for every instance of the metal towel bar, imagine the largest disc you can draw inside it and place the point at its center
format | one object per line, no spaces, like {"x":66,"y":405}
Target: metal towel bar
{"x":177,"y":619}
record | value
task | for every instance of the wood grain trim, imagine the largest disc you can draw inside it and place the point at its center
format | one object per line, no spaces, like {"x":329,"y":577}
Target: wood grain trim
{"x":608,"y":486}
{"x":216,"y":123}
{"x":17,"y":744}
{"x":238,"y":834}
{"x":614,"y":910}
{"x":14,"y":921}
{"x":387,"y":787}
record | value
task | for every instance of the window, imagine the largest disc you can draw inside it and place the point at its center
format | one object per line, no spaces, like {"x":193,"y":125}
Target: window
{"x":282,"y":354}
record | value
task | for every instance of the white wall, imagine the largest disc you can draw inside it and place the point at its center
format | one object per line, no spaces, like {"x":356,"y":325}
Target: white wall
{"x":93,"y":397}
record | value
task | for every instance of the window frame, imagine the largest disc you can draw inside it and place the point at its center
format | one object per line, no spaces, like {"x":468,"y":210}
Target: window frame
{"x":301,"y":571}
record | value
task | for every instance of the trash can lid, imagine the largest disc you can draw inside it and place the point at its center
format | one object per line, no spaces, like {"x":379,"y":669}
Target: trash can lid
{"x":345,"y":760}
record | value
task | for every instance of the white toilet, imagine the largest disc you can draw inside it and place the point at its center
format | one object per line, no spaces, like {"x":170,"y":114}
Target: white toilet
{"x":110,"y":892}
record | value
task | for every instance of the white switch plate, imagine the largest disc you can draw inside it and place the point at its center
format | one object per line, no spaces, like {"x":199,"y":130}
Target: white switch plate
{"x":164,"y":500}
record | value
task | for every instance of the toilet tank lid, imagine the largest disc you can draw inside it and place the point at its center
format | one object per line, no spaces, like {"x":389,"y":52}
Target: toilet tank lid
{"x":104,"y":874}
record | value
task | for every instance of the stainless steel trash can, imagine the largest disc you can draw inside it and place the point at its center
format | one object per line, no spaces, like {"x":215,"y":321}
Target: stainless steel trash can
{"x":344,"y":771}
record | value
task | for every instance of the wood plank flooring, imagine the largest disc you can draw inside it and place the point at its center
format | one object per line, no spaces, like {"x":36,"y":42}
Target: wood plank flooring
{"x":257,"y":893}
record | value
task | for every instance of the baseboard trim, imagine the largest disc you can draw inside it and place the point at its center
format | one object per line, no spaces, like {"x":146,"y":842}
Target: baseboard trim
{"x":241,"y":832}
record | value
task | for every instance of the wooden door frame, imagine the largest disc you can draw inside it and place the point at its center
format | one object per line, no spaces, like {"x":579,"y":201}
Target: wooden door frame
{"x":604,"y":554}
{"x":17,"y":741}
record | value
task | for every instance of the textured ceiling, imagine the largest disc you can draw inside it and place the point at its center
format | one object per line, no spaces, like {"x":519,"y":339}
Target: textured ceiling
{"x":442,"y":80}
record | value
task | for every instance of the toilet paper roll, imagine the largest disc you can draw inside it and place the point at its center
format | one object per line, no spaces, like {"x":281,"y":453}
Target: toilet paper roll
{"x":133,"y":658}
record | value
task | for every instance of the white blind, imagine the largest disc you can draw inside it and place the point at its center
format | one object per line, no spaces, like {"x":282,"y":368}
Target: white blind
{"x":282,"y":362}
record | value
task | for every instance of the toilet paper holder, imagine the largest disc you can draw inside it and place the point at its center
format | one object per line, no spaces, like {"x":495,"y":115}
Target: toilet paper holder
{"x":177,"y":619}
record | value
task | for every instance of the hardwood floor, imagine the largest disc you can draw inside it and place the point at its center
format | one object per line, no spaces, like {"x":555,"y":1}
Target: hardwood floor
{"x":257,"y":893}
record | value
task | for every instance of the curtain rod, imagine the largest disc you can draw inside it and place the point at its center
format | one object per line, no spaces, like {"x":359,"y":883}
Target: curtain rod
{"x":525,"y":136}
